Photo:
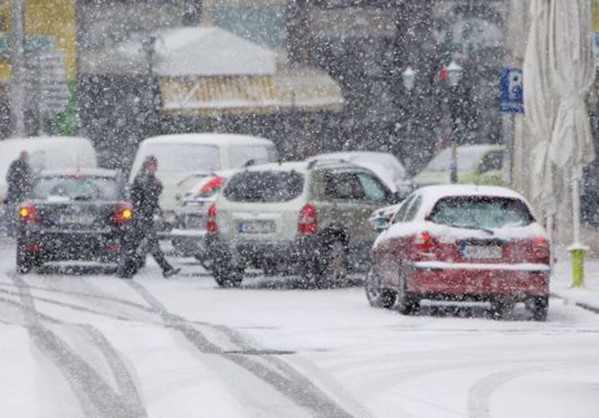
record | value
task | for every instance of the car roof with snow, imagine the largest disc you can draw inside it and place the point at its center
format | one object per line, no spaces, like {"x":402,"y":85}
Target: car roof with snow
{"x":207,"y":138}
{"x":93,"y":172}
{"x":303,"y":165}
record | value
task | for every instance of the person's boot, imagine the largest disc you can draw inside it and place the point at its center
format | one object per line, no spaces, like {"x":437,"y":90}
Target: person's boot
{"x":170,"y":272}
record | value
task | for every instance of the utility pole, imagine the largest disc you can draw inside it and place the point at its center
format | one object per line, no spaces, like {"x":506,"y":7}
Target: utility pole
{"x":17,"y":52}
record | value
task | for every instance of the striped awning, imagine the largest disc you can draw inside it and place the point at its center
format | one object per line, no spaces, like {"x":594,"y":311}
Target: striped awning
{"x":299,"y":89}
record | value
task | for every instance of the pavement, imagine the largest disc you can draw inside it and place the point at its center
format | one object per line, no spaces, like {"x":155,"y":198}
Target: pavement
{"x":561,"y":284}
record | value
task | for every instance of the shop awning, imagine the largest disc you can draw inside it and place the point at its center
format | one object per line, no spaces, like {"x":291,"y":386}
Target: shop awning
{"x":290,"y":89}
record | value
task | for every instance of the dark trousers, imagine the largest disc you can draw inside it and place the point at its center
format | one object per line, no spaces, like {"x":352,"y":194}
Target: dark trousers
{"x":140,"y":239}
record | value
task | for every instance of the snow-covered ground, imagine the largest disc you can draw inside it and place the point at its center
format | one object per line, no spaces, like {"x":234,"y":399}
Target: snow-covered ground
{"x":90,"y":344}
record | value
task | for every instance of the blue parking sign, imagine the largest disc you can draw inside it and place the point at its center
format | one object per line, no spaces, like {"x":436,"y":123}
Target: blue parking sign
{"x":512,"y":100}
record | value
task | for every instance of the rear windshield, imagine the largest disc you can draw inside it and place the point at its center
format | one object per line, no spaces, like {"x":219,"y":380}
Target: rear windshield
{"x":77,"y":188}
{"x":481,"y":212}
{"x":264,"y":186}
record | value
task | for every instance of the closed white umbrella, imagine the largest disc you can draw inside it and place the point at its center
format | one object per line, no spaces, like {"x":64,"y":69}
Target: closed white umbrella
{"x":540,"y":107}
{"x":572,"y":72}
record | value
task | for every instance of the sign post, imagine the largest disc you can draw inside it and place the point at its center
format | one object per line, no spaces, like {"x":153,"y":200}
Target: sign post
{"x":511,"y":103}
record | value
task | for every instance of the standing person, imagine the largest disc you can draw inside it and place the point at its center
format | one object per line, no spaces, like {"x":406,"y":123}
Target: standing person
{"x":18,"y":179}
{"x":145,"y":192}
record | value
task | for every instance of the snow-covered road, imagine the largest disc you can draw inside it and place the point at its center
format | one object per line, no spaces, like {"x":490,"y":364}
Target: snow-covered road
{"x":90,"y":344}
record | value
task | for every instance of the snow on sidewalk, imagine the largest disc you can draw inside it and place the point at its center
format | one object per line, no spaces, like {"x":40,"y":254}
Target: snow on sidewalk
{"x":586,"y":297}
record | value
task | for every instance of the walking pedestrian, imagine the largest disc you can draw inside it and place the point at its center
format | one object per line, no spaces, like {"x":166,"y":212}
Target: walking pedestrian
{"x":145,"y":194}
{"x":18,"y":180}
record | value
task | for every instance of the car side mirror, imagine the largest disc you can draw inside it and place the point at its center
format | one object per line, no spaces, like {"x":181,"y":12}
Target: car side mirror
{"x":379,"y":221}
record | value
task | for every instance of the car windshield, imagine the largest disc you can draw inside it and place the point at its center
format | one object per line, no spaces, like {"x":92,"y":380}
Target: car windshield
{"x":186,"y":158}
{"x":77,"y":188}
{"x":481,"y":212}
{"x":264,"y":186}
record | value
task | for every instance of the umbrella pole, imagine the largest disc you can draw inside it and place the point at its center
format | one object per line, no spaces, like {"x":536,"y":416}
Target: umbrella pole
{"x":577,"y":249}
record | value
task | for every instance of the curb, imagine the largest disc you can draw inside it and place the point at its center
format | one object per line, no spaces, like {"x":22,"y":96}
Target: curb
{"x":582,"y":305}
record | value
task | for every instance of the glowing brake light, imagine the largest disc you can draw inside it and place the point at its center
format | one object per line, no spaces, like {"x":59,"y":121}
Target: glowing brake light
{"x":28,"y":213}
{"x":308,"y":220}
{"x":122,"y":214}
{"x":212,"y":186}
{"x":424,"y":242}
{"x":211,"y":225}
{"x":541,"y":241}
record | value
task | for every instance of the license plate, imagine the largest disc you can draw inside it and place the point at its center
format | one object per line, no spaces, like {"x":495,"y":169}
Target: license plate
{"x":482,"y":252}
{"x":78,"y":218}
{"x":195,"y":222}
{"x":256,"y":227}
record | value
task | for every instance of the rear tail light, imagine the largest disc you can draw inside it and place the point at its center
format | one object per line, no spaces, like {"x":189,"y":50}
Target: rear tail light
{"x":424,"y":243}
{"x":308,"y":220}
{"x":541,"y":250}
{"x":211,"y":225}
{"x":28,"y":213}
{"x":122,"y":214}
{"x":211,"y":187}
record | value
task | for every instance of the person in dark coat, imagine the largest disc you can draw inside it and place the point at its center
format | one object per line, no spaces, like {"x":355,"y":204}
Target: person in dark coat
{"x":18,"y":180}
{"x":145,"y":194}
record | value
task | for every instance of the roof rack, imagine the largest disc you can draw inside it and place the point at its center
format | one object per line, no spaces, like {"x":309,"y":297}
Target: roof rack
{"x":318,"y":161}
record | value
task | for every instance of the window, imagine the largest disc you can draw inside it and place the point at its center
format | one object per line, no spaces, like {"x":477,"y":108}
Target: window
{"x":264,"y":186}
{"x":481,"y":212}
{"x":343,"y":186}
{"x":77,"y":188}
{"x":374,"y":191}
{"x":413,"y":209}
{"x":401,"y":213}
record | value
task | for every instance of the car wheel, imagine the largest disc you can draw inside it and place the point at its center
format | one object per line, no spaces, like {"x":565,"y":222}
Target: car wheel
{"x":502,"y":307}
{"x":407,"y":303}
{"x":539,"y":306}
{"x":25,"y":260}
{"x":227,"y":275}
{"x":378,"y":297}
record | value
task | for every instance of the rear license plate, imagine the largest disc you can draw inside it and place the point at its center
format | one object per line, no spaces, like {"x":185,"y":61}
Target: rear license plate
{"x":482,"y":252}
{"x":195,"y":222}
{"x":256,"y":227}
{"x":78,"y":218}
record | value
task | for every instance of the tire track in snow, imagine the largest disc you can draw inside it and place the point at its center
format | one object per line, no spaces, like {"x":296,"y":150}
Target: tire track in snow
{"x":480,"y":394}
{"x":281,"y":377}
{"x":88,"y":386}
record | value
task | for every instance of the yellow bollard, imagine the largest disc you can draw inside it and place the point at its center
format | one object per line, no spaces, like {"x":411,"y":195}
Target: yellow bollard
{"x":577,"y":252}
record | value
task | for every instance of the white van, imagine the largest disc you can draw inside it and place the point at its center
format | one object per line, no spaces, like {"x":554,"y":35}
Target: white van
{"x":46,"y":153}
{"x":185,"y":158}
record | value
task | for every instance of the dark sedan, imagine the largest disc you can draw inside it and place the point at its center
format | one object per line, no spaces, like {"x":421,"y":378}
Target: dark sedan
{"x":73,"y":215}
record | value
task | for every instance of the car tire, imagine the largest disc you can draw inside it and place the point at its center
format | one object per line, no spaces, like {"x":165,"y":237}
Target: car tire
{"x":378,"y":297}
{"x":539,"y":307}
{"x":227,"y":275}
{"x":502,"y":307}
{"x":406,"y":302}
{"x":25,"y":260}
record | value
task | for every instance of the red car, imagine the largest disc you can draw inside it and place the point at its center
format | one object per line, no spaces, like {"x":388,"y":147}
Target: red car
{"x":460,"y":243}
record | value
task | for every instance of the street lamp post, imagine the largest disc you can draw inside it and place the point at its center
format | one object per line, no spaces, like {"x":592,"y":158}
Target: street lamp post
{"x":408,"y":77}
{"x":454,"y":76}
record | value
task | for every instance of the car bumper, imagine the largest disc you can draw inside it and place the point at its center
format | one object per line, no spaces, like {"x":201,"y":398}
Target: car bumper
{"x":74,"y":245}
{"x":189,"y":242}
{"x":440,"y":280}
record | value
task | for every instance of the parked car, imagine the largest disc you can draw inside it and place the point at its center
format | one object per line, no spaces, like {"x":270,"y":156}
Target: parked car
{"x":477,"y":164}
{"x":189,"y":225}
{"x":306,"y":217}
{"x":384,"y":164}
{"x":73,"y":215}
{"x":184,"y":159}
{"x":462,"y":242}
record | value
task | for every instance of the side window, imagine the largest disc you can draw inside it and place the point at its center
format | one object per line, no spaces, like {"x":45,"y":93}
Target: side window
{"x":374,"y":191}
{"x":401,"y":213}
{"x":492,"y":161}
{"x":343,"y":186}
{"x":413,"y":209}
